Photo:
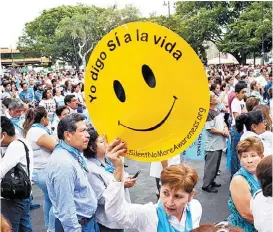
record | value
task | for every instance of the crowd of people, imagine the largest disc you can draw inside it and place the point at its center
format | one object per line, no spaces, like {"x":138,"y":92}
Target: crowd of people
{"x":47,"y":134}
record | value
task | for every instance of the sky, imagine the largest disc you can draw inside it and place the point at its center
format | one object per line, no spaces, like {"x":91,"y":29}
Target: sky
{"x":15,"y":13}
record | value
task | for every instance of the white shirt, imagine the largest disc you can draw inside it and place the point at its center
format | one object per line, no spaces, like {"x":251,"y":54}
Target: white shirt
{"x":99,"y":179}
{"x":50,"y":105}
{"x":261,"y":208}
{"x":40,"y":154}
{"x":142,"y":218}
{"x":71,"y":111}
{"x":156,"y":167}
{"x":236,"y":107}
{"x":15,"y":153}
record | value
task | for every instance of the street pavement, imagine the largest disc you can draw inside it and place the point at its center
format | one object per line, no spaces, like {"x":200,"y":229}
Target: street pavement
{"x":214,"y":206}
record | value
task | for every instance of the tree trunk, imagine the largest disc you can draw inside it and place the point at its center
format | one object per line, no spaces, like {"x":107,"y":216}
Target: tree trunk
{"x":236,"y":55}
{"x":240,"y":58}
{"x":243,"y":59}
{"x":84,"y":63}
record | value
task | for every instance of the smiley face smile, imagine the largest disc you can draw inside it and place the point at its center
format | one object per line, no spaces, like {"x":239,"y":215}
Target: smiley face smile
{"x":157,"y":125}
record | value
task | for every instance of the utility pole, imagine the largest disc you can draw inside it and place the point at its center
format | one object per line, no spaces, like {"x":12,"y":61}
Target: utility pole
{"x":169,"y":7}
{"x":262,"y":37}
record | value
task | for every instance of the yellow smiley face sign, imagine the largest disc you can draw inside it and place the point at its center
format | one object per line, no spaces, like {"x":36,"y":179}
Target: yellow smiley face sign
{"x":146,"y":85}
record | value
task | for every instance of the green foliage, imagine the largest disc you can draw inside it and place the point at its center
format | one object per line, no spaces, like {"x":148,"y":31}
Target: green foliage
{"x":249,"y":31}
{"x":69,"y":33}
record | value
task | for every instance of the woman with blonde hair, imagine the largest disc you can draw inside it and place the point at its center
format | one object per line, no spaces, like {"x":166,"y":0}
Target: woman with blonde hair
{"x":176,"y":210}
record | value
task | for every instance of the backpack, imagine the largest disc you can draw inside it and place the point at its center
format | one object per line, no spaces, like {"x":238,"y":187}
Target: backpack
{"x":16,"y":183}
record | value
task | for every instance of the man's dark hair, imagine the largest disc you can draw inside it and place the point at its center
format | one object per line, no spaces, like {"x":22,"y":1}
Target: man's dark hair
{"x":68,"y":123}
{"x":22,"y":84}
{"x":53,"y":81}
{"x":239,"y":86}
{"x":248,"y":119}
{"x":7,"y":126}
{"x":6,"y":101}
{"x":68,"y":98}
{"x":213,"y":87}
{"x":60,"y":109}
{"x":6,"y":83}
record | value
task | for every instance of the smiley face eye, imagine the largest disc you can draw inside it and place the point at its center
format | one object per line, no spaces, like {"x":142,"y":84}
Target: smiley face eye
{"x":148,"y":76}
{"x":119,"y":91}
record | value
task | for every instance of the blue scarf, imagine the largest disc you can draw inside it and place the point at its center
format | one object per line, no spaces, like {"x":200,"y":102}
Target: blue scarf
{"x":43,"y":127}
{"x":17,"y":124}
{"x":74,"y":152}
{"x":165,"y":226}
{"x":251,"y":178}
{"x":108,"y":166}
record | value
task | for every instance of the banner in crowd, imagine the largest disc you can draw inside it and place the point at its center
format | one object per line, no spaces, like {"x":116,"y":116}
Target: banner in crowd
{"x":196,"y":151}
{"x":146,"y":85}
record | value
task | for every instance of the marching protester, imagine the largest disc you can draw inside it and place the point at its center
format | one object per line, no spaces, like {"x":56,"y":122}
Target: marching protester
{"x":15,"y":113}
{"x":176,"y":209}
{"x":61,"y":112}
{"x":73,"y":199}
{"x":43,"y":143}
{"x":16,"y":160}
{"x":267,"y":117}
{"x":72,"y":103}
{"x":100,"y":174}
{"x":237,"y":107}
{"x":215,"y":143}
{"x":244,"y":183}
{"x":49,"y":103}
{"x":254,"y":123}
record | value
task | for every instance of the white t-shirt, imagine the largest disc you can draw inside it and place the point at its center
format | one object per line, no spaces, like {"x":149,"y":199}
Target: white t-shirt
{"x":50,"y":106}
{"x":13,"y":154}
{"x":236,"y":107}
{"x":261,"y":208}
{"x":40,"y":154}
{"x":156,"y":167}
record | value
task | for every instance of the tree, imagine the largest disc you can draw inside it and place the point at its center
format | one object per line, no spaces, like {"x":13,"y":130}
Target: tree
{"x":86,"y":30}
{"x":39,"y":35}
{"x":219,"y":22}
{"x":250,"y":33}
